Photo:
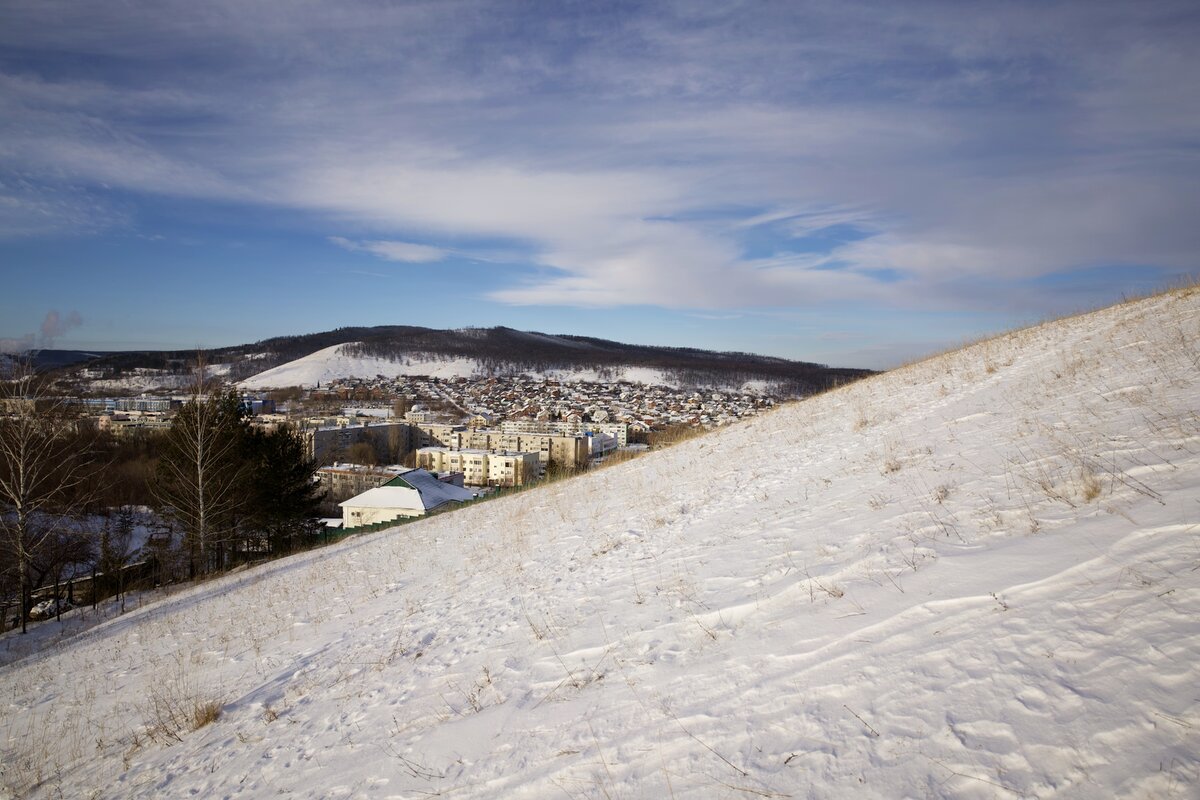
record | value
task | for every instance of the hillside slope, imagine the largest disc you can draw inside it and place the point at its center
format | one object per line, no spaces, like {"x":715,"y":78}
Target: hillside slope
{"x":392,"y":350}
{"x":977,"y":576}
{"x":342,"y":361}
{"x":484,"y":352}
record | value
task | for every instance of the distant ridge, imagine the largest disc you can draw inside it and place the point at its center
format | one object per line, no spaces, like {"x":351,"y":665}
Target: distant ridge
{"x":390,"y":350}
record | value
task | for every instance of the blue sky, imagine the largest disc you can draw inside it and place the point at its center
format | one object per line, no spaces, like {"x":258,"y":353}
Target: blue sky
{"x":849,"y":183}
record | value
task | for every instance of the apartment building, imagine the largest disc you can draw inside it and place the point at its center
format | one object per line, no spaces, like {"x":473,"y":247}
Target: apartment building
{"x":343,"y":481}
{"x":620,"y":430}
{"x":567,"y":450}
{"x":391,"y":441}
{"x":482,"y":467}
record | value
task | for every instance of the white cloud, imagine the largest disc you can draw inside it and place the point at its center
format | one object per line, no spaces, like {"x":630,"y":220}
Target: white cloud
{"x":630,"y":165}
{"x":393,"y":251}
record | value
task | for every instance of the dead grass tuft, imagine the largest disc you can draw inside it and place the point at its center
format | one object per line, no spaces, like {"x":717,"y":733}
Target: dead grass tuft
{"x":172,"y":718}
{"x":205,"y":713}
{"x":175,"y":707}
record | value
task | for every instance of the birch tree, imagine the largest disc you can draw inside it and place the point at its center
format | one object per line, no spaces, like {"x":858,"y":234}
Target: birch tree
{"x":117,"y":550}
{"x":43,"y":467}
{"x":199,"y":475}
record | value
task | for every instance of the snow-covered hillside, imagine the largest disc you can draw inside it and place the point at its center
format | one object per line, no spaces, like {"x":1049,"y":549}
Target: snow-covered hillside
{"x":977,"y":576}
{"x":339,"y":362}
{"x":332,"y":363}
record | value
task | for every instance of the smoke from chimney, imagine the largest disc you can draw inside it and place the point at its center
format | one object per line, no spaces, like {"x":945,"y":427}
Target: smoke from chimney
{"x":54,"y":325}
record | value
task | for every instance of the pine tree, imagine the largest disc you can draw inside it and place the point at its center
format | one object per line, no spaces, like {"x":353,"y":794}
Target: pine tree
{"x":283,"y":495}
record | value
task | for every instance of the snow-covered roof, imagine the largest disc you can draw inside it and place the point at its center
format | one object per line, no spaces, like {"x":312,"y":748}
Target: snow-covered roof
{"x":415,"y":489}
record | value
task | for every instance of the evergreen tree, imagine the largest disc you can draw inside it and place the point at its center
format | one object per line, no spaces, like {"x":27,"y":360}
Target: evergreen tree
{"x":282,"y":496}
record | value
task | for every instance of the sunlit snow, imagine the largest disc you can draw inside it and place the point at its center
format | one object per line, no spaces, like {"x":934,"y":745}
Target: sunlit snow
{"x":976,"y":576}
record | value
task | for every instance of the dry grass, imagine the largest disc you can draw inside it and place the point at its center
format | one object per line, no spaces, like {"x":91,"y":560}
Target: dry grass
{"x":177,"y":706}
{"x":668,"y":437}
{"x":618,"y":457}
{"x":675,"y":434}
{"x":172,"y":718}
{"x":1089,"y":486}
{"x":1185,"y":286}
{"x":205,"y":713}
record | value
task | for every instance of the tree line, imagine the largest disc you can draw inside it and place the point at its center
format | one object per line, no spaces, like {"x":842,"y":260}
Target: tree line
{"x":221,"y":493}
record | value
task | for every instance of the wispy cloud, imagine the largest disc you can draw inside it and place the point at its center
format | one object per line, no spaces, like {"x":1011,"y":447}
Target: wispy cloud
{"x":393,"y":251}
{"x":716,"y":317}
{"x":671,"y":154}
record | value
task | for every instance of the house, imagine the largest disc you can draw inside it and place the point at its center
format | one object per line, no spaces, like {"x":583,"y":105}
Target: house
{"x":412,"y":494}
{"x":479,"y":419}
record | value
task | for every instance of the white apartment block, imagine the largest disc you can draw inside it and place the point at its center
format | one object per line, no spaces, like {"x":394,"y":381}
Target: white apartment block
{"x":482,"y":467}
{"x":618,"y":429}
{"x":569,"y":450}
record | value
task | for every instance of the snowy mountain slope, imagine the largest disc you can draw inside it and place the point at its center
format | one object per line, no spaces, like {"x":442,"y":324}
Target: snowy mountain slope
{"x":977,"y":576}
{"x":332,"y":363}
{"x":485,"y":352}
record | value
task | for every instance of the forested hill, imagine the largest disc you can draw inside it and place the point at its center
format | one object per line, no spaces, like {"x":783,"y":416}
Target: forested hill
{"x":498,"y":350}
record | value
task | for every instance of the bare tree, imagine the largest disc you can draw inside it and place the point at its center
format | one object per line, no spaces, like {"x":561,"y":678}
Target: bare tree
{"x":117,"y":550}
{"x":362,"y":453}
{"x":43,"y":467}
{"x":200,"y":471}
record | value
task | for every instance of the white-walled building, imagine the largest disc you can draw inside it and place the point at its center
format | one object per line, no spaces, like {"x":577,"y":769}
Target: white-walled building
{"x":601,"y":443}
{"x":618,"y":429}
{"x":412,"y":494}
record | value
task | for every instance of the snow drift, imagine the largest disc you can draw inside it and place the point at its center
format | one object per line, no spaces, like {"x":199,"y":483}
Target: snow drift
{"x":976,"y":576}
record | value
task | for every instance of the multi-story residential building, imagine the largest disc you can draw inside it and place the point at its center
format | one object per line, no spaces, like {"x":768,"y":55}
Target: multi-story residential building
{"x":471,"y":463}
{"x":343,"y":481}
{"x":513,"y":469}
{"x":391,"y":441}
{"x":618,"y":429}
{"x":438,"y":434}
{"x":110,"y":404}
{"x":566,"y":451}
{"x":126,"y":424}
{"x":482,"y":467}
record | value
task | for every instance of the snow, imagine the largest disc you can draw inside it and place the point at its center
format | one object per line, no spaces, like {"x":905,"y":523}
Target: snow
{"x":150,"y":382}
{"x":977,"y":576}
{"x":333,"y":363}
{"x":421,"y":490}
{"x":338,"y":362}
